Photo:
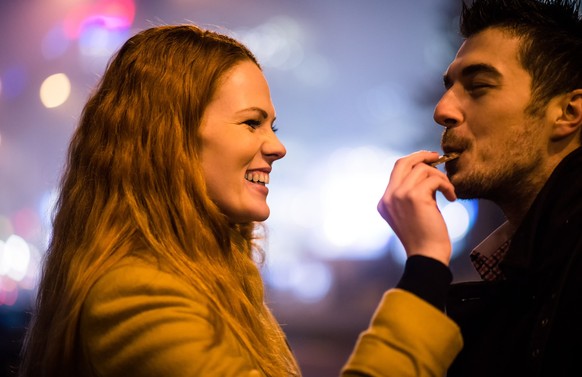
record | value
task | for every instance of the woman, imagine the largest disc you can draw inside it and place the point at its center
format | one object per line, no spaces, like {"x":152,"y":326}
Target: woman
{"x":152,"y":266}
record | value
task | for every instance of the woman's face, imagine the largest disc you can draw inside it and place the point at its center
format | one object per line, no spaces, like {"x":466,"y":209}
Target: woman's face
{"x":239,"y":144}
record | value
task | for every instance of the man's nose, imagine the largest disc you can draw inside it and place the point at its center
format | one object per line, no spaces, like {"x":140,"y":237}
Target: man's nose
{"x":447,"y":112}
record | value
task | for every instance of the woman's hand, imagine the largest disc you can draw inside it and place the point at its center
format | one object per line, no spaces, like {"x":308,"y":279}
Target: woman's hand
{"x":409,"y":206}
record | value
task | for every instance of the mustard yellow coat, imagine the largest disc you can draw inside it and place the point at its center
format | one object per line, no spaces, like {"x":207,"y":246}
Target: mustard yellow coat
{"x":141,"y":322}
{"x":407,"y":337}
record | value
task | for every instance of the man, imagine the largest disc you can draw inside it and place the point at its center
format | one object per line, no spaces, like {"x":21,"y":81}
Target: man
{"x":512,"y":113}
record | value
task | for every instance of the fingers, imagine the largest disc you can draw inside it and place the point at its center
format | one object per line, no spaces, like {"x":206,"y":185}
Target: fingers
{"x":403,"y":166}
{"x":409,"y":205}
{"x":422,"y":178}
{"x":412,"y":175}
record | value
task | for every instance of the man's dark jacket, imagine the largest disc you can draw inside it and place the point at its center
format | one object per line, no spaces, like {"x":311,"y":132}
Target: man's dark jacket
{"x":530,"y":324}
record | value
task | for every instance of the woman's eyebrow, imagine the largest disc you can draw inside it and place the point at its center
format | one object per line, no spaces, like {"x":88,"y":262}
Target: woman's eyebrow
{"x":263,"y":113}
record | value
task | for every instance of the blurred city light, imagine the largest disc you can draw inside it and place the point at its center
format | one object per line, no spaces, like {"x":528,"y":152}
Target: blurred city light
{"x":55,"y":90}
{"x":351,"y":182}
{"x":111,"y":14}
{"x":14,"y":258}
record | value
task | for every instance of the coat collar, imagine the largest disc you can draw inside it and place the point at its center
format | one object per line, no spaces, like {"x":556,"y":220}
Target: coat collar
{"x":558,"y":201}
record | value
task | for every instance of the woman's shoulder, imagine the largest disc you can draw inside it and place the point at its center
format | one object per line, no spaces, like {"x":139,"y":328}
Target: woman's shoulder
{"x":140,"y":317}
{"x":141,"y":276}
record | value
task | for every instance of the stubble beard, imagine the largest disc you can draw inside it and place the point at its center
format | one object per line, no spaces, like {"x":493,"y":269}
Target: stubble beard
{"x":513,"y":173}
{"x":498,"y":185}
{"x":509,"y":177}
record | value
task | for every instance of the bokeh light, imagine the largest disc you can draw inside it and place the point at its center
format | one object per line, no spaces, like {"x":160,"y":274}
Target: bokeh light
{"x":99,"y":42}
{"x":458,"y":220}
{"x":352,"y":180}
{"x":111,"y":14}
{"x":14,"y":258}
{"x":55,"y":90}
{"x":19,"y":265}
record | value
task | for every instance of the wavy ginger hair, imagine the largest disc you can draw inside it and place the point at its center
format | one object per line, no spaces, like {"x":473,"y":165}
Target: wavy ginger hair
{"x":133,"y":182}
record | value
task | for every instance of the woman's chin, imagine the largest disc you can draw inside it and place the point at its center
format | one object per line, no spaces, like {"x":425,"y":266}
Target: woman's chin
{"x":251,"y":216}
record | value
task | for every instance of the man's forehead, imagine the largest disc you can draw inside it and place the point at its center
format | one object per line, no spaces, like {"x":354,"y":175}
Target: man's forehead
{"x":491,"y":47}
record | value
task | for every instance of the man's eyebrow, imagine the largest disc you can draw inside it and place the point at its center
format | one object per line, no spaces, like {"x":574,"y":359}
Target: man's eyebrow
{"x":472,"y":70}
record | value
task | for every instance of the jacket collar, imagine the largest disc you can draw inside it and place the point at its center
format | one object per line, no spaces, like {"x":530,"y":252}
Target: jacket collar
{"x":559,"y":200}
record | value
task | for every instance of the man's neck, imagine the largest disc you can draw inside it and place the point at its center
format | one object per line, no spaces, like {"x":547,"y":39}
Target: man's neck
{"x":516,"y":205}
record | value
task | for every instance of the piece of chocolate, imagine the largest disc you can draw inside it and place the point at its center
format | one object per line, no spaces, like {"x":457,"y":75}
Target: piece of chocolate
{"x":444,"y":158}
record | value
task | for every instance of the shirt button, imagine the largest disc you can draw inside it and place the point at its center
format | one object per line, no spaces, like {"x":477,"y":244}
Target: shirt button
{"x":535,"y":353}
{"x":544,"y":322}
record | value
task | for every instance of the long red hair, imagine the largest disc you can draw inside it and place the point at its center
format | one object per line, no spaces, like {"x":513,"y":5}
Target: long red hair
{"x":133,"y":183}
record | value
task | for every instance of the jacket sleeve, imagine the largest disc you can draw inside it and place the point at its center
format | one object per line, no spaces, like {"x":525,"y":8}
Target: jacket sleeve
{"x":407,"y":337}
{"x":138,"y":321}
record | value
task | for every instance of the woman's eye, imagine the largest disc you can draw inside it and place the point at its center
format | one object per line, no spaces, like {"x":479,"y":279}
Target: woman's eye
{"x":252,"y":123}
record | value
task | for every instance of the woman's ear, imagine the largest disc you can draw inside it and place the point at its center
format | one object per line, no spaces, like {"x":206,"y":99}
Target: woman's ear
{"x":570,"y":119}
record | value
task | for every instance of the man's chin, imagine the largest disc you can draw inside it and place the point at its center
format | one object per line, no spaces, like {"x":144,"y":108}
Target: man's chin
{"x":463,"y":188}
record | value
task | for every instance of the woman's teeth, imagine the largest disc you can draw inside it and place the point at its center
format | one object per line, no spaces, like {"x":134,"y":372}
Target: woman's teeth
{"x":257,"y":177}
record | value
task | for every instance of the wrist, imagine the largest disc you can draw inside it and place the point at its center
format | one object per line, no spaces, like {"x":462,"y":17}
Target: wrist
{"x":427,"y":278}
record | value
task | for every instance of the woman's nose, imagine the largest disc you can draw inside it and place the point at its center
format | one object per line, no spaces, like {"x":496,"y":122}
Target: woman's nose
{"x":273,"y":147}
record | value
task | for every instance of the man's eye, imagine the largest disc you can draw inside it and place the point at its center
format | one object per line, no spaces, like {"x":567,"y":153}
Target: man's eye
{"x":478,"y":89}
{"x":477,"y":86}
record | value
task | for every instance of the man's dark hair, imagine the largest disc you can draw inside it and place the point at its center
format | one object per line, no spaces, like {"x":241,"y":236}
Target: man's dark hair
{"x":551,"y":33}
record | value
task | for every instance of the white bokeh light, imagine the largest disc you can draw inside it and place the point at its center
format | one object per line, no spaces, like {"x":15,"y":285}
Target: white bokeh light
{"x":352,"y":182}
{"x":14,"y":258}
{"x":55,"y":90}
{"x":456,"y":216}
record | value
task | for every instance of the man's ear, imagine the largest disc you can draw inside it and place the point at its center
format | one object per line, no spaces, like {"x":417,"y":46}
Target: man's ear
{"x":570,"y":119}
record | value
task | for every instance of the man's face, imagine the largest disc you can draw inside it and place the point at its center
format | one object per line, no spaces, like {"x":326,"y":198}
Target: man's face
{"x":484,"y":112}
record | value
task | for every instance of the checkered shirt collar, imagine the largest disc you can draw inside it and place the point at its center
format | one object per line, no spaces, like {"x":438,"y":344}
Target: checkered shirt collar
{"x":491,"y":251}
